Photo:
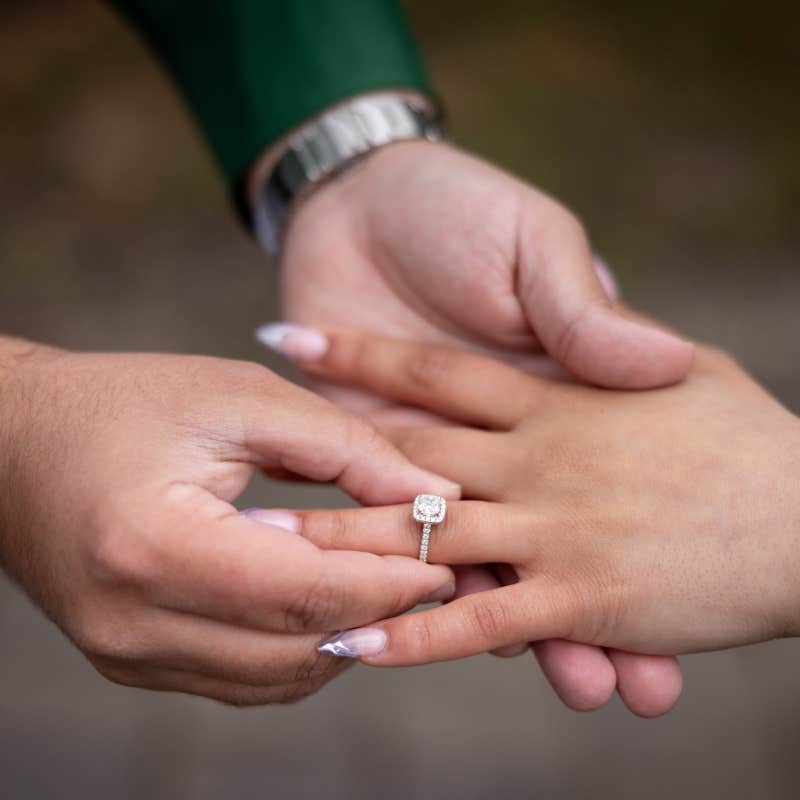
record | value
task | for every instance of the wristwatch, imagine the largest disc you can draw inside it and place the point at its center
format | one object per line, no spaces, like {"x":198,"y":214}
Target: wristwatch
{"x":331,"y":144}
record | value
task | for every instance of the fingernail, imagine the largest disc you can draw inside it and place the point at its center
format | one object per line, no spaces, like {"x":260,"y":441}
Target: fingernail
{"x":441,"y":594}
{"x":272,"y":516}
{"x":606,"y":277}
{"x":354,"y":644}
{"x":293,"y":341}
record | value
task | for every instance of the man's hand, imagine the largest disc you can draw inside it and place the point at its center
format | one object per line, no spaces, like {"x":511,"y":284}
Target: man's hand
{"x":117,"y":477}
{"x":426,"y":242}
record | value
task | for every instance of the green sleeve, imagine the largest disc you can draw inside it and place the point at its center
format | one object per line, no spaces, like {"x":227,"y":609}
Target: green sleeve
{"x":253,"y":69}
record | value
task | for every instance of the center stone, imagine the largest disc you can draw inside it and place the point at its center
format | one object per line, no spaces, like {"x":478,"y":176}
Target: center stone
{"x":429,"y":508}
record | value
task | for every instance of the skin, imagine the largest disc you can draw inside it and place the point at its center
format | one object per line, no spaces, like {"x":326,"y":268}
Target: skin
{"x":655,"y":522}
{"x":423,"y":241}
{"x":100,"y":555}
{"x":117,"y":478}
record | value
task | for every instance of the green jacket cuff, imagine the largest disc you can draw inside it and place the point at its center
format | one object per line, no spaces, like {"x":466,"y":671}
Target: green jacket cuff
{"x":252,"y":70}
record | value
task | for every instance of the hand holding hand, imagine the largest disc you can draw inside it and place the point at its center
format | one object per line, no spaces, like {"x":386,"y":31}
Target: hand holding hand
{"x":655,"y":522}
{"x":426,"y":242}
{"x":117,"y":477}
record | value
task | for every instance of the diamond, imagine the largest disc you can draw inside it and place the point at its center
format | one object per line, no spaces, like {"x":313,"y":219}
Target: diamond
{"x":429,"y":508}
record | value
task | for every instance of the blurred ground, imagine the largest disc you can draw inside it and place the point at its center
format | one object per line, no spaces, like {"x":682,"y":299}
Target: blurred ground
{"x":672,"y":129}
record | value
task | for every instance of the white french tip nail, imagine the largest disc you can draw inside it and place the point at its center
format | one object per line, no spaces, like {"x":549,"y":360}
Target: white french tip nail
{"x":293,"y":341}
{"x":354,"y":643}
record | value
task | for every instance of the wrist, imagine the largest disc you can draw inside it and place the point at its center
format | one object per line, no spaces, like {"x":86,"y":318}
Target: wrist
{"x":264,"y":165}
{"x":327,"y":145}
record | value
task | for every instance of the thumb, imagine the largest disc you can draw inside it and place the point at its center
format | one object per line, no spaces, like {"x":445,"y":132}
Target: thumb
{"x":308,"y":436}
{"x":575,"y":320}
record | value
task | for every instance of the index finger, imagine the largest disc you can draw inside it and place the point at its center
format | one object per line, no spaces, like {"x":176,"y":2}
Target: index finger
{"x":454,"y":383}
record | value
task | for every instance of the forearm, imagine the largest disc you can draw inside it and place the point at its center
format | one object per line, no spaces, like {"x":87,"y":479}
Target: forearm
{"x":254,"y":69}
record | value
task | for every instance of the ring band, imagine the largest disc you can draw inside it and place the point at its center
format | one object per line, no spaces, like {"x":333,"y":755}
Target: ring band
{"x":429,"y":509}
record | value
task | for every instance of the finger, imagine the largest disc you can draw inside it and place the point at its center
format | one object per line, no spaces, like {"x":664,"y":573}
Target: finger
{"x":648,"y":685}
{"x":253,"y":575}
{"x":299,"y":432}
{"x":186,"y":642}
{"x":472,"y":532}
{"x":450,"y":382}
{"x":475,"y":624}
{"x":174,"y":680}
{"x":459,"y":453}
{"x":572,"y":316}
{"x":472,"y":579}
{"x":582,"y":675}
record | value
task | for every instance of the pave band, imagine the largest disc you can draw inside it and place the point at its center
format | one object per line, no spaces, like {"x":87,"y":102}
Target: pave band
{"x":426,"y":538}
{"x":429,"y":509}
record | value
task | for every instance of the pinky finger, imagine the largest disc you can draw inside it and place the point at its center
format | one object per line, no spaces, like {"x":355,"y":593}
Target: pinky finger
{"x":233,"y":694}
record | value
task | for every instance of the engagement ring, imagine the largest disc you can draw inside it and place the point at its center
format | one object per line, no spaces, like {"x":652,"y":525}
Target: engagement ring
{"x":429,"y":509}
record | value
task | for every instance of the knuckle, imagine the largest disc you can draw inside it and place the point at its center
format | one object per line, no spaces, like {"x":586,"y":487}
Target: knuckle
{"x":592,"y":605}
{"x":313,"y":607}
{"x":120,"y":557}
{"x":571,"y":333}
{"x":489,"y":621}
{"x":326,"y":529}
{"x":420,"y":636}
{"x":351,"y":353}
{"x":101,"y":638}
{"x":429,"y":367}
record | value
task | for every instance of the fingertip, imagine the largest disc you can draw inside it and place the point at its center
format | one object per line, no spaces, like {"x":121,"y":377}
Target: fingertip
{"x":581,"y":675}
{"x":650,"y":686}
{"x":613,"y":351}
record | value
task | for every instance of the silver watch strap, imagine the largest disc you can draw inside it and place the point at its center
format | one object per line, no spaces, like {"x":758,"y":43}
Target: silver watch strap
{"x":331,"y":144}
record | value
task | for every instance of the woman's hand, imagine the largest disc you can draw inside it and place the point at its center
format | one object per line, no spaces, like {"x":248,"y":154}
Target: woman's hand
{"x":657,"y":522}
{"x":117,"y":477}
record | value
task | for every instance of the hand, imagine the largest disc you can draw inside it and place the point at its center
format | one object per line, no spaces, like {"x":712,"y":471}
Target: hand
{"x":656,"y":522}
{"x":117,"y":474}
{"x":425,"y":242}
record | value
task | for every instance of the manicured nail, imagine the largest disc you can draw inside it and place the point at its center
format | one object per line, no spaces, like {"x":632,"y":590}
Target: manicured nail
{"x":354,"y":644}
{"x":293,"y":341}
{"x":273,"y":516}
{"x":606,"y":277}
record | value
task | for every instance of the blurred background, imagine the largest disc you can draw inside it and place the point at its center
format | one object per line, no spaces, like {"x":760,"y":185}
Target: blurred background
{"x":672,"y":129}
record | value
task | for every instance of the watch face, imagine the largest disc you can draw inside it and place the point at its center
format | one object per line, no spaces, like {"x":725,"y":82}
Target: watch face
{"x":429,"y":508}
